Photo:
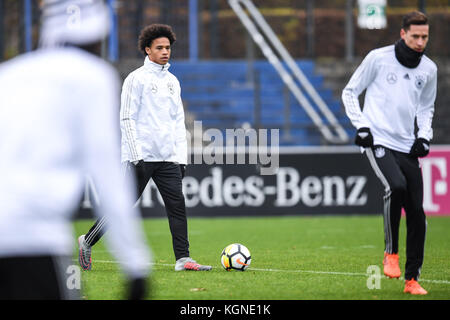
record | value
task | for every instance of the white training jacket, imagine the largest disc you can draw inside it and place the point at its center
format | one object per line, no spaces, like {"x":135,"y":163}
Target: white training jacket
{"x":152,"y":116}
{"x":395,"y":96}
{"x":58,"y":124}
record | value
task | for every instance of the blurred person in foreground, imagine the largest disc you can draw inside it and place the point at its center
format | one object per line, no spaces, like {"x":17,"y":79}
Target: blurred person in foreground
{"x":401,"y":91}
{"x":59,"y":123}
{"x":154,"y":144}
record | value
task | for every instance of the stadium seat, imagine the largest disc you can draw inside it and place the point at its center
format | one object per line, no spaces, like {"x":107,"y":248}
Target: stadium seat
{"x":222,"y":94}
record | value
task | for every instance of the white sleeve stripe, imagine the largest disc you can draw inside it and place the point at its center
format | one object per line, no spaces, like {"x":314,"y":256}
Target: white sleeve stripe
{"x":352,"y":106}
{"x":357,"y":83}
{"x":126,"y":115}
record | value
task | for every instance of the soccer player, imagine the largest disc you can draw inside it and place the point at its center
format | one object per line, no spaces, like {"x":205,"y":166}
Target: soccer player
{"x":401,"y":89}
{"x":58,"y":123}
{"x":154,"y":141}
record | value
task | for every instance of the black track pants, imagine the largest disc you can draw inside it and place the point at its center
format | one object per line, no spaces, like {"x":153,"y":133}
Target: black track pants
{"x":401,"y":177}
{"x":167,"y":177}
{"x":39,"y":278}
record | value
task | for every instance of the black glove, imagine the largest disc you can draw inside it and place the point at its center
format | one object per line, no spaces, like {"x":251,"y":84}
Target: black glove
{"x":420,"y":148}
{"x":137,"y":289}
{"x":183,"y":170}
{"x":364,"y":138}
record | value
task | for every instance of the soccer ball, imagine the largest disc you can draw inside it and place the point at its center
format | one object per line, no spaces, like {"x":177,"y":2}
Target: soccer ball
{"x":235,"y":256}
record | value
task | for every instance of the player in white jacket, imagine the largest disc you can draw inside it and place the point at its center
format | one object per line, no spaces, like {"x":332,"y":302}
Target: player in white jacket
{"x":154,"y":144}
{"x":401,"y":89}
{"x":59,"y":124}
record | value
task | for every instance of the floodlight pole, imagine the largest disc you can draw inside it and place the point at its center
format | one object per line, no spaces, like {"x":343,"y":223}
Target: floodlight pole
{"x":2,"y":38}
{"x":193,"y":30}
{"x":422,"y":5}
{"x":214,"y":28}
{"x":310,"y":28}
{"x":113,"y":44}
{"x":349,"y":32}
{"x":27,"y":25}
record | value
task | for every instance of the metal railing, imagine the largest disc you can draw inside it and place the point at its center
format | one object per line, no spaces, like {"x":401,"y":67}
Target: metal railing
{"x":339,"y":135}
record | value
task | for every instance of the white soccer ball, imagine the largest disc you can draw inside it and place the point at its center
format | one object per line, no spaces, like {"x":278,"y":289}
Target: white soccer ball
{"x":235,"y":256}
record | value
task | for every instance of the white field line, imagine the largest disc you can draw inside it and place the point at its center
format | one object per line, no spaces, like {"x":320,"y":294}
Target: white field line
{"x":295,"y":271}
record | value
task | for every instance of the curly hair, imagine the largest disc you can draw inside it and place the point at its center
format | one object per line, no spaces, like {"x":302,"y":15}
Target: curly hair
{"x":152,"y":32}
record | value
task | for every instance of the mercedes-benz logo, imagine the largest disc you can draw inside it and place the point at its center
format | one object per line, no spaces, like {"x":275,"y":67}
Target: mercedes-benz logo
{"x":391,"y":78}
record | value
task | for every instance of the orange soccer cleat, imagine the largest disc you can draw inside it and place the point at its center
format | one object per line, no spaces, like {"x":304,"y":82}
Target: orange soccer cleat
{"x":413,"y":287}
{"x":390,"y":265}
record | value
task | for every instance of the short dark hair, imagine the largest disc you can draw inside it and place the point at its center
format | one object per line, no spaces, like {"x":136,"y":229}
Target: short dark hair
{"x":155,"y":31}
{"x":415,"y":17}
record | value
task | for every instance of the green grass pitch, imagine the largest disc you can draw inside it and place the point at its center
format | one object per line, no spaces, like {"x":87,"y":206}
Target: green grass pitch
{"x":293,"y":258}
